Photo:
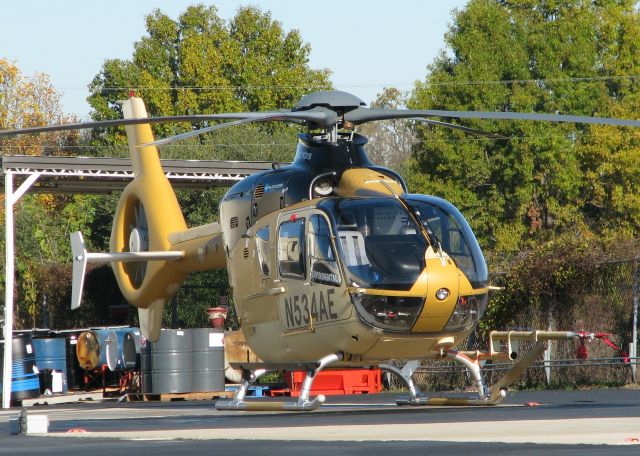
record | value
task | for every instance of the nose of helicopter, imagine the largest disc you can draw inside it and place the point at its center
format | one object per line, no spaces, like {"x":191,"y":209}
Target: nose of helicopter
{"x":451,"y":304}
{"x":440,"y":285}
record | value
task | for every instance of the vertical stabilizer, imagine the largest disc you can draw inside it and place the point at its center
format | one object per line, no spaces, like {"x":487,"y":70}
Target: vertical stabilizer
{"x":147,"y":213}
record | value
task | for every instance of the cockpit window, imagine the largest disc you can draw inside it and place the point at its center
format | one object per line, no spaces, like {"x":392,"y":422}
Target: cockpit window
{"x":451,"y":232}
{"x":324,"y":268}
{"x":291,"y":255}
{"x":379,"y":242}
{"x":262,"y":246}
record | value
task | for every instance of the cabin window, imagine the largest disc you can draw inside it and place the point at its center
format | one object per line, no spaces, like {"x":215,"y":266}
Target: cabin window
{"x":262,"y":247}
{"x":379,"y":242}
{"x":291,"y":256}
{"x":449,"y":230}
{"x":324,"y":268}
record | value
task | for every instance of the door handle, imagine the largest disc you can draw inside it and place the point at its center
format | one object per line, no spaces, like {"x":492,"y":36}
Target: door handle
{"x":277,"y":291}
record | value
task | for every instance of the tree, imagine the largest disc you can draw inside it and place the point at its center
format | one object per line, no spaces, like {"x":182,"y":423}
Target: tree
{"x":390,"y":141}
{"x":44,"y":221}
{"x":569,"y":57}
{"x":198,"y":64}
{"x":30,"y":102}
{"x":202,"y":64}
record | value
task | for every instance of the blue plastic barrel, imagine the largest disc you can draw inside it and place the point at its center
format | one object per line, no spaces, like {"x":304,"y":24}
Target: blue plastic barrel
{"x":124,"y":353}
{"x":51,"y":353}
{"x":24,"y":380}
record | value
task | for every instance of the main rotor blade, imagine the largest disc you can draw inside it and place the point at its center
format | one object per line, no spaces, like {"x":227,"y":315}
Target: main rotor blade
{"x":363,"y":115}
{"x":471,"y":131}
{"x":320,"y":117}
{"x":189,"y":134}
{"x":123,"y":122}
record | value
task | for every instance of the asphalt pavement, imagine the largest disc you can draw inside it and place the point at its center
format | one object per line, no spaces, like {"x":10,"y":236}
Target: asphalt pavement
{"x":601,"y":421}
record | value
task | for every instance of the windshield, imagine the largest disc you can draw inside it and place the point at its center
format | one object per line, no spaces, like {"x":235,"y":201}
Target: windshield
{"x":379,"y":242}
{"x":448,"y":228}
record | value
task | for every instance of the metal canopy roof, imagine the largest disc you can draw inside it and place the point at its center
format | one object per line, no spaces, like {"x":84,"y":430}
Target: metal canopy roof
{"x":103,"y":175}
{"x":90,"y":175}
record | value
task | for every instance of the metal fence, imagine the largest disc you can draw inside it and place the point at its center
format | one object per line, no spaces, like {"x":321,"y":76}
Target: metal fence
{"x":608,"y":305}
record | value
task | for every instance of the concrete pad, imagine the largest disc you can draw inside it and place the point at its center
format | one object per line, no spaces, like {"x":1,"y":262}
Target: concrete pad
{"x":593,"y":431}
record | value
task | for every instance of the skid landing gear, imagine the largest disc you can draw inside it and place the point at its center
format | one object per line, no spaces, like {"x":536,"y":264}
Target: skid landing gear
{"x":303,"y":404}
{"x":486,"y":396}
{"x":501,"y":348}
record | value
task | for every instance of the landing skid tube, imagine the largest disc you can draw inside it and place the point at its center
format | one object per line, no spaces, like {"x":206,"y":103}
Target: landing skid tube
{"x":303,"y":404}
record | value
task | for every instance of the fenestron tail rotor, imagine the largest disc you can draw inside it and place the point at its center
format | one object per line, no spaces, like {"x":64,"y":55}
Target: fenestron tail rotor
{"x":151,"y":249}
{"x":138,"y":242}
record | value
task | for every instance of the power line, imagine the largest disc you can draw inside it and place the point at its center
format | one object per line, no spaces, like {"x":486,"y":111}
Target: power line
{"x":362,"y":85}
{"x":534,"y":81}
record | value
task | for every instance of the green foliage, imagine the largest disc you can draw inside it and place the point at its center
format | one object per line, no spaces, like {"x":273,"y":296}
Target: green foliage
{"x":567,"y":57}
{"x":201,"y":64}
{"x":244,"y":143}
{"x":44,"y":223}
{"x":542,"y":281}
{"x":43,"y":254}
{"x":51,"y":306}
{"x":572,"y":282}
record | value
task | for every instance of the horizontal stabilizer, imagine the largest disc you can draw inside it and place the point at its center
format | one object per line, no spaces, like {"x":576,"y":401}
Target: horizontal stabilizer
{"x":81,"y":257}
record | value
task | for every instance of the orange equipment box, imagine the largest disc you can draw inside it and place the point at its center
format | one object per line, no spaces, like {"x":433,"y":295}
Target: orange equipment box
{"x":338,"y":381}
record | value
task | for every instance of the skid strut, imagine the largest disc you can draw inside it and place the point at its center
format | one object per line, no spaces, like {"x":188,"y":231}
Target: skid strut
{"x":416,"y":397}
{"x":303,"y":404}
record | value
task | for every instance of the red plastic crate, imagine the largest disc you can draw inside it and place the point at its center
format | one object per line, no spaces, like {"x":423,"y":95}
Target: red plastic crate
{"x":338,"y":381}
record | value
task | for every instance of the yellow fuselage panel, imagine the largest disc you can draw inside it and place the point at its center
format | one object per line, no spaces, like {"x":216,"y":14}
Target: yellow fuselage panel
{"x":367,"y":182}
{"x":260,"y":303}
{"x":440,"y":273}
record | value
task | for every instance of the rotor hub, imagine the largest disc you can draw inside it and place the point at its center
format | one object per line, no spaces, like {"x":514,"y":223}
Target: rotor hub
{"x":336,"y":100}
{"x":138,"y":240}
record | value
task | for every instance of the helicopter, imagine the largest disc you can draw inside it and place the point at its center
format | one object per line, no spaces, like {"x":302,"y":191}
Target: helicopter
{"x":331,"y":261}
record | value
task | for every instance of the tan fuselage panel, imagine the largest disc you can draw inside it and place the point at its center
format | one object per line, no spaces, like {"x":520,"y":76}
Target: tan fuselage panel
{"x":202,"y":246}
{"x":367,"y":182}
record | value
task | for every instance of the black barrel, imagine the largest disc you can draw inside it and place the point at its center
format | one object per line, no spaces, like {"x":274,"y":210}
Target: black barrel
{"x":167,"y":365}
{"x":208,"y":359}
{"x":24,"y":379}
{"x":131,"y":350}
{"x":75,"y":374}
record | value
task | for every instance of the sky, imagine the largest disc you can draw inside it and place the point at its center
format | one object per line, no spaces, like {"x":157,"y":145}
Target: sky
{"x":367,"y":44}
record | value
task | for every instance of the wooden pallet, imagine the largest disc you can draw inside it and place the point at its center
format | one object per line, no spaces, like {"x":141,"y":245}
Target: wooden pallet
{"x":199,"y":396}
